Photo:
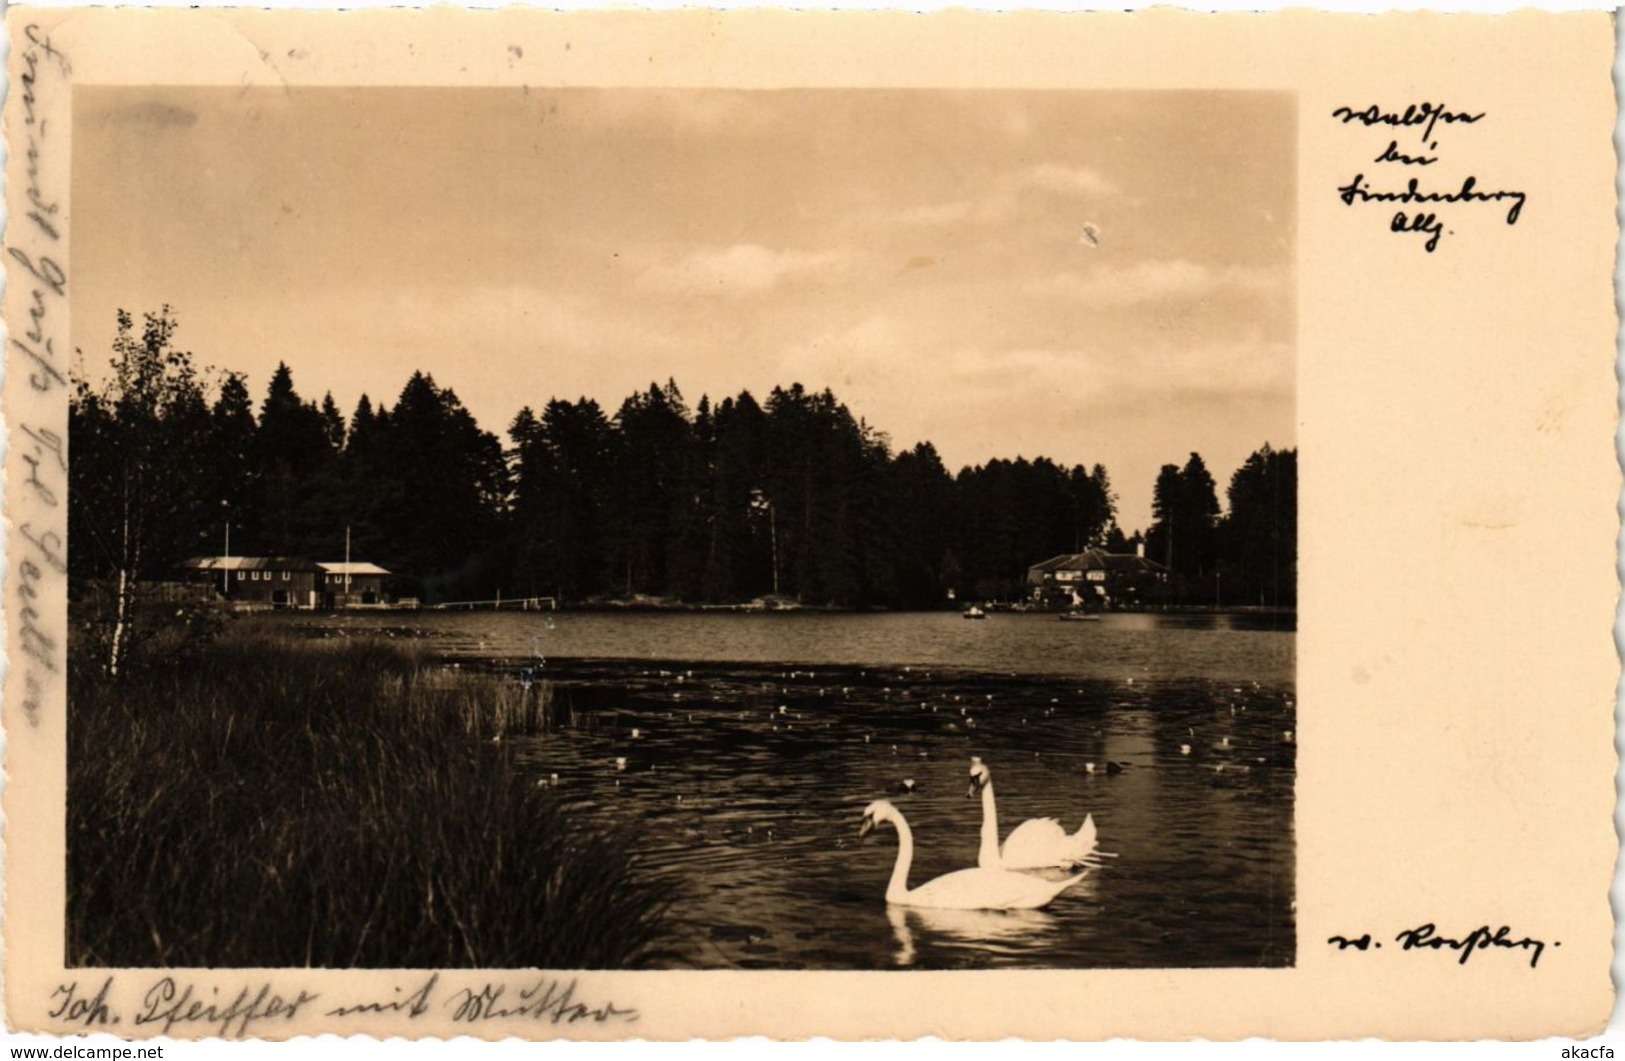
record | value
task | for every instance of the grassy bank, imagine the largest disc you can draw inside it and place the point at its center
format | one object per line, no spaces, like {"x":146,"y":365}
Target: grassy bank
{"x":263,"y":800}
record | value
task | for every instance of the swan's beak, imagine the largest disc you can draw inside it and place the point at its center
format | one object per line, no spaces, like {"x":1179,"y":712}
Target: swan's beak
{"x":975,"y":788}
{"x":867,"y":826}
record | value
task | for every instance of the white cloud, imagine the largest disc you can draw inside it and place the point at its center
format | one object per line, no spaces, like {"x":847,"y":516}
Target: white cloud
{"x":667,"y":111}
{"x":1017,"y":123}
{"x":1131,"y":408}
{"x":1034,"y":377}
{"x":1160,"y":280}
{"x":935,"y":213}
{"x":1066,"y":180}
{"x":740,"y":268}
{"x":1249,"y":365}
{"x":1003,"y":197}
{"x":868,"y":361}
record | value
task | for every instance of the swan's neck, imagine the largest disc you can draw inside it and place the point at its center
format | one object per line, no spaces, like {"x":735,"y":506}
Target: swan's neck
{"x":988,"y":855}
{"x":897,"y":890}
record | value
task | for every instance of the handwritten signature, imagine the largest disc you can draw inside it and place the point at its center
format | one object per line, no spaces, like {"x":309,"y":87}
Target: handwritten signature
{"x":1426,"y":937}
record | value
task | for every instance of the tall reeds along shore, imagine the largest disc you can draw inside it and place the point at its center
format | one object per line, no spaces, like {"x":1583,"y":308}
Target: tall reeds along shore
{"x":266,"y":800}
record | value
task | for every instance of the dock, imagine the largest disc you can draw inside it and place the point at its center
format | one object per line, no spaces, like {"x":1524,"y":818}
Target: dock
{"x":512,"y":604}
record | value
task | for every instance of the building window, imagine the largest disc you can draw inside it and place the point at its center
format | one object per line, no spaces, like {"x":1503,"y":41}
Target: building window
{"x":286,"y":575}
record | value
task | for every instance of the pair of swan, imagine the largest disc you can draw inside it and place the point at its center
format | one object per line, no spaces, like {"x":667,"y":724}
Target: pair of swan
{"x":966,"y":889}
{"x":993,"y":884}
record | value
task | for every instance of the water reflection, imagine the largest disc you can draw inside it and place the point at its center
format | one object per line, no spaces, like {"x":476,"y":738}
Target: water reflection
{"x":978,"y":933}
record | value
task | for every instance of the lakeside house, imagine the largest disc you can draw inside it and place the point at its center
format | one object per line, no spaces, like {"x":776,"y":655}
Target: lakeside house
{"x":1095,"y":580}
{"x":287,"y":581}
{"x":353,"y":582}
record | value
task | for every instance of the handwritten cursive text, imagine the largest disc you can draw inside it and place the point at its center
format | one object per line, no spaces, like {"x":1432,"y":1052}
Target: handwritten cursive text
{"x":1426,"y":937}
{"x":73,"y":1007}
{"x":37,"y":306}
{"x":1426,"y":115}
{"x":547,"y":999}
{"x":1425,"y":119}
{"x":1481,"y":938}
{"x":414,"y":1005}
{"x":169,"y":1004}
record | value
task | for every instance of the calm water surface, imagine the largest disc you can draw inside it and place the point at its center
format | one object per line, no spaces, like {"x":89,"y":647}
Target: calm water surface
{"x":760,"y":739}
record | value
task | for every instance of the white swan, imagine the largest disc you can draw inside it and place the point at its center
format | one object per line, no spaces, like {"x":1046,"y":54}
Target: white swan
{"x":1039,"y":843}
{"x":966,"y":889}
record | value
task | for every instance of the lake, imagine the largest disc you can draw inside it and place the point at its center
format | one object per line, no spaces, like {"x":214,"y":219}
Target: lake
{"x":745,"y":747}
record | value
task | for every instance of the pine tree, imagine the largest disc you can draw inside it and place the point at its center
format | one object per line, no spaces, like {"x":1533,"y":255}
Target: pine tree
{"x":1259,"y":536}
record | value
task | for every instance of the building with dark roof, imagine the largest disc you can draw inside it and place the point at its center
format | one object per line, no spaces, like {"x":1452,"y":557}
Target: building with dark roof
{"x":288,"y":581}
{"x":270,"y":581}
{"x":352,"y":582}
{"x":1095,"y":580}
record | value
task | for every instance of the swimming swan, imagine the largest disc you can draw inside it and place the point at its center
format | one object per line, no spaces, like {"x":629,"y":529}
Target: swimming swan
{"x":1039,"y":843}
{"x":966,"y":889}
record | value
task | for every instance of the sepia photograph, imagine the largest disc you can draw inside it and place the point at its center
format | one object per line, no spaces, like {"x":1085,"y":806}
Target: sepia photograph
{"x":682,"y":529}
{"x":686,"y":525}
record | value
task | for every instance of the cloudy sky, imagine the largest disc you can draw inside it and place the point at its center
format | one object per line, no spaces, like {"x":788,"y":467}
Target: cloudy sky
{"x":920,"y":252}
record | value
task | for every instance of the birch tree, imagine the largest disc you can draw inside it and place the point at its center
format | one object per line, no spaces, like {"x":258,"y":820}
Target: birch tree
{"x":136,"y":445}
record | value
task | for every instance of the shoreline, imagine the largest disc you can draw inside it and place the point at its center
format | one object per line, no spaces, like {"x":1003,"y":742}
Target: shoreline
{"x":654,"y":607}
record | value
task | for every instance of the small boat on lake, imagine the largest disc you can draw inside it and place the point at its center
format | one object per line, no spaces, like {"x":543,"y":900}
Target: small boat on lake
{"x":973,"y":612}
{"x":1080,"y":617}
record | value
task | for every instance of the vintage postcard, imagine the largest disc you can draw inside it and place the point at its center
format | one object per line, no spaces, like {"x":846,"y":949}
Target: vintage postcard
{"x":701,"y":524}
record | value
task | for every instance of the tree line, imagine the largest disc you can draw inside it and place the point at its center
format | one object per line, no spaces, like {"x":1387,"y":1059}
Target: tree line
{"x":1248,"y":555}
{"x":791,"y":497}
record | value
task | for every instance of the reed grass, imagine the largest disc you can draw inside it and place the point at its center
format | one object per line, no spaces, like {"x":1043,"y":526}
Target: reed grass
{"x":265,"y":800}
